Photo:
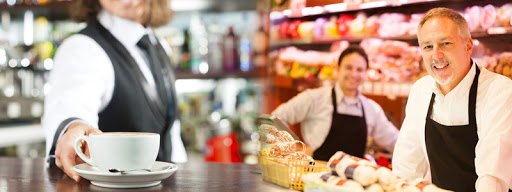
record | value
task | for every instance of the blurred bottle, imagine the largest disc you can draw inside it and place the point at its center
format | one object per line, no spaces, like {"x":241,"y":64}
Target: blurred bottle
{"x":215,"y":47}
{"x":185,"y":53}
{"x":42,"y":29}
{"x":230,"y":52}
{"x":260,"y":45}
{"x":245,"y":45}
{"x":198,"y":45}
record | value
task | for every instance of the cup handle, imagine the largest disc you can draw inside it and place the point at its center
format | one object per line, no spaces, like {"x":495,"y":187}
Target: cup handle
{"x":79,"y":151}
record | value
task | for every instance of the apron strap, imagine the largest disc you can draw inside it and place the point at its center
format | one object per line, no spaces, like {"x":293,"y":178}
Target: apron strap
{"x":472,"y":100}
{"x":429,"y":112}
{"x":334,"y":104}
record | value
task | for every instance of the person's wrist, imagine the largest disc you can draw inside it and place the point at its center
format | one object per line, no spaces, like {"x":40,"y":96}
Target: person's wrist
{"x":76,"y":125}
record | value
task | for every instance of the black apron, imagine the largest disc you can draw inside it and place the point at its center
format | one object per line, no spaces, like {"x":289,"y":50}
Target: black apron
{"x":347,"y":133}
{"x":451,"y":149}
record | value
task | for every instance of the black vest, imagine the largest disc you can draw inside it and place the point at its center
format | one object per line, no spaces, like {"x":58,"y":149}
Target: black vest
{"x":131,"y":108}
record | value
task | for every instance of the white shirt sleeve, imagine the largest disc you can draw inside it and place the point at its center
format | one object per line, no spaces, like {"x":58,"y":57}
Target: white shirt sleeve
{"x":490,"y":183}
{"x":296,"y":109}
{"x":493,"y":153}
{"x":80,"y":84}
{"x":383,"y":131}
{"x":409,"y":161}
{"x":179,"y":155}
{"x":313,"y":109}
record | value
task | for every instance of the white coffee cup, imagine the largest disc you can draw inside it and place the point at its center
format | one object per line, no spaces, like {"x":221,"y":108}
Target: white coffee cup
{"x":120,"y":150}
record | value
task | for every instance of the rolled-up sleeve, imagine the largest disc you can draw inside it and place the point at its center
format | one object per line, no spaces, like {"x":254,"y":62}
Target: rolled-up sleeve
{"x":296,"y":109}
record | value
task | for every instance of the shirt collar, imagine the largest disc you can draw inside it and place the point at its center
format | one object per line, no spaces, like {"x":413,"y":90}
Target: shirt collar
{"x":340,"y":96}
{"x":462,"y":89}
{"x":126,"y":31}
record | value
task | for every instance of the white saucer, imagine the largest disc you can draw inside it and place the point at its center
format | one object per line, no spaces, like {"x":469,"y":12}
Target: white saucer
{"x":160,"y":171}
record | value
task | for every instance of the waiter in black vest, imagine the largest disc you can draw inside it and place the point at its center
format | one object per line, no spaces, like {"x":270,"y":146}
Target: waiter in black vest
{"x":458,"y":121}
{"x":112,"y":76}
{"x":339,"y":118}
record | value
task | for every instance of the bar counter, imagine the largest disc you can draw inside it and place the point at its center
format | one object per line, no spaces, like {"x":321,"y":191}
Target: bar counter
{"x":30,"y":174}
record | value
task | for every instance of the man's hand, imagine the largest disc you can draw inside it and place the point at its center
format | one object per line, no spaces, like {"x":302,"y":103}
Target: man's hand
{"x":65,"y":154}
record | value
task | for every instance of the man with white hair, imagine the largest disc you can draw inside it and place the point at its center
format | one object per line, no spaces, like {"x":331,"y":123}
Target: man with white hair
{"x":458,"y":120}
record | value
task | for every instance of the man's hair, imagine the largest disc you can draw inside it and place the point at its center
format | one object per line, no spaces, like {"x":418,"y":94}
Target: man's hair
{"x":353,"y":49}
{"x":157,"y":13}
{"x":462,"y":24}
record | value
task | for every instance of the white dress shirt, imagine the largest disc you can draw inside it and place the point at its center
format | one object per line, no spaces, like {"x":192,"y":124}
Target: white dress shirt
{"x":82,"y":80}
{"x":313,"y":109}
{"x":494,"y":127}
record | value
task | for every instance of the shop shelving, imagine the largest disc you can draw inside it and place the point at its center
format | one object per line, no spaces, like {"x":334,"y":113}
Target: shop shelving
{"x":495,"y":39}
{"x":259,"y":72}
{"x":53,"y":10}
{"x":503,"y":33}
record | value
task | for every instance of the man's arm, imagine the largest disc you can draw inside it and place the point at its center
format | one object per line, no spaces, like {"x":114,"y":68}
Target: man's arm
{"x":409,"y":161}
{"x":81,"y":84}
{"x":296,"y":109}
{"x":493,"y":152}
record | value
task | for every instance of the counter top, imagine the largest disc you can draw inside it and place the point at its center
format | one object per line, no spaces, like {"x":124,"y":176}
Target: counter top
{"x":30,"y":174}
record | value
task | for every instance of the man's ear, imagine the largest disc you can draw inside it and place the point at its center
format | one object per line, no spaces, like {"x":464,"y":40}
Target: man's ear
{"x":469,"y":46}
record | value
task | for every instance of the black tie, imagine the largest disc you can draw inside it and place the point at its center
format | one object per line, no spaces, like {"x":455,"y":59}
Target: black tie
{"x":156,"y":67}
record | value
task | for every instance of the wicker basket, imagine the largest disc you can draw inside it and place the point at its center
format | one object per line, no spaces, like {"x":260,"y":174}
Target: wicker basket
{"x":288,"y":173}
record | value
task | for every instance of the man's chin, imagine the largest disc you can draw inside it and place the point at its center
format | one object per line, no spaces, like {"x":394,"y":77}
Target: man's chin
{"x":443,"y":81}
